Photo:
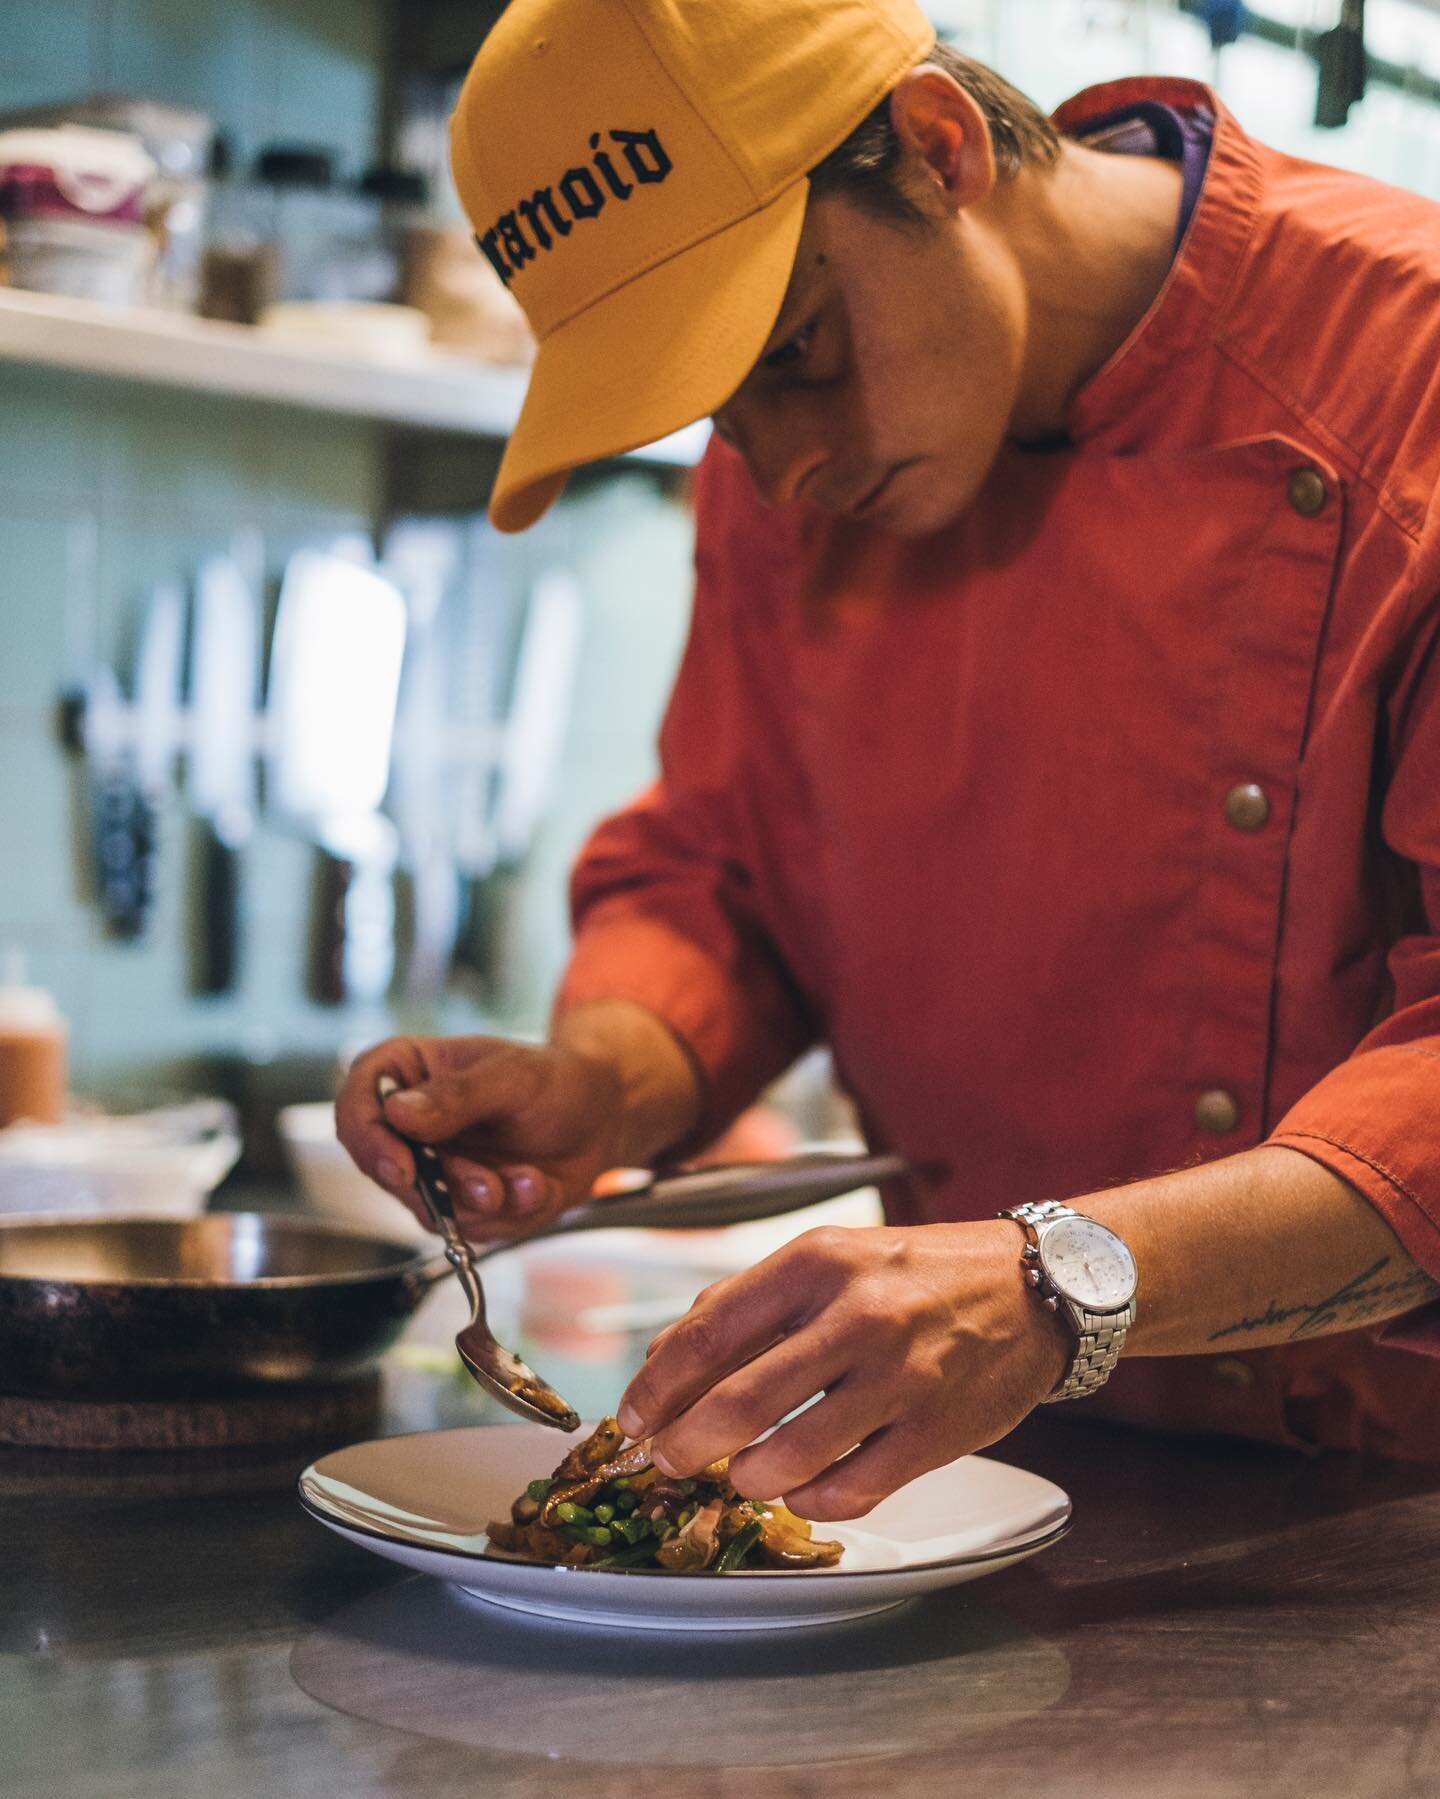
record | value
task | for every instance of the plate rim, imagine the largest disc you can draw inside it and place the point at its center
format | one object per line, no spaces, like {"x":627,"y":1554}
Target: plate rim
{"x":1009,"y":1546}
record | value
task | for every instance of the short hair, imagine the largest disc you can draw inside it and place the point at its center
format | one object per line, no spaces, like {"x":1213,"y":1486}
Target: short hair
{"x":865,"y":168}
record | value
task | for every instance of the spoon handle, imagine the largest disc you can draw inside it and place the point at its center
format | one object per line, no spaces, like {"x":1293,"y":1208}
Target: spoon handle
{"x":434,"y":1189}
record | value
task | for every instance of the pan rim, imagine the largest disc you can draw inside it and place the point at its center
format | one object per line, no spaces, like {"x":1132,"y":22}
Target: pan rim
{"x":418,"y":1258}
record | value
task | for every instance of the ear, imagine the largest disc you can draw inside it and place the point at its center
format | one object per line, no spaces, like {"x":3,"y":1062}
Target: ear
{"x":944,"y":135}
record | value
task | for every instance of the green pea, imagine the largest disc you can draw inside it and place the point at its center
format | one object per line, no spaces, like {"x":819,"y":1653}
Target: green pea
{"x":595,"y":1535}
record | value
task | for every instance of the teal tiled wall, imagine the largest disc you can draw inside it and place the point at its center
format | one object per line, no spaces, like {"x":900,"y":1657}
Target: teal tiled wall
{"x":267,"y":70}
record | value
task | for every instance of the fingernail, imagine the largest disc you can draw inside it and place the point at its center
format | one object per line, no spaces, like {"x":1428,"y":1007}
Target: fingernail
{"x":663,"y":1463}
{"x":526,"y":1192}
{"x":630,"y":1421}
{"x":409,"y":1099}
{"x":391,"y":1174}
{"x":483,"y":1195}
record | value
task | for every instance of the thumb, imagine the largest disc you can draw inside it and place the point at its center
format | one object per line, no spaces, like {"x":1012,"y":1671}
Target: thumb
{"x":488,"y":1092}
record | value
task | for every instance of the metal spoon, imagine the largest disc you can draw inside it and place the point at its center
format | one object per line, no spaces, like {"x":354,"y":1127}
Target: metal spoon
{"x":698,"y":1199}
{"x":513,"y":1382}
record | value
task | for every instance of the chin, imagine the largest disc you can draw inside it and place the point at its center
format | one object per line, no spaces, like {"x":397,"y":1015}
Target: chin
{"x":928,"y":511}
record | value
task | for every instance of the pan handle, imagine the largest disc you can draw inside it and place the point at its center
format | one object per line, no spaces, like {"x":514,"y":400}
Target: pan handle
{"x":415,"y":1283}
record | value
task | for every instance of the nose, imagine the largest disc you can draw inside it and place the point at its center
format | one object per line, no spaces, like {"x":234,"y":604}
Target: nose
{"x":782,"y":459}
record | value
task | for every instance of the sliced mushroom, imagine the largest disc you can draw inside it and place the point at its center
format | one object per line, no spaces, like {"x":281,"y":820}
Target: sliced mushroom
{"x":696,"y":1544}
{"x":786,"y":1542}
{"x":581,"y":1489}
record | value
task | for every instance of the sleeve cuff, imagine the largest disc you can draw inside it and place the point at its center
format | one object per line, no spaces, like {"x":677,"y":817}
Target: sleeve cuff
{"x":738,"y":1029}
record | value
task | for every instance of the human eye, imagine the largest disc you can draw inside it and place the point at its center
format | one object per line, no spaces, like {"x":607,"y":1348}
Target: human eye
{"x":789,"y":357}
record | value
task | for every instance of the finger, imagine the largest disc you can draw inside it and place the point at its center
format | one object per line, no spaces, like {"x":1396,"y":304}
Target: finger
{"x":746,"y":1403}
{"x":881,"y":1465}
{"x":360,"y":1122}
{"x":517,"y":1199}
{"x":527,"y":1190}
{"x":485,"y":1092}
{"x":806,"y":1448}
{"x":728,"y":1327}
{"x":480,"y":1192}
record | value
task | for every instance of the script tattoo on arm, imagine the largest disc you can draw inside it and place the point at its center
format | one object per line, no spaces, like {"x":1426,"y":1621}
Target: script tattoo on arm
{"x":1365,"y":1299}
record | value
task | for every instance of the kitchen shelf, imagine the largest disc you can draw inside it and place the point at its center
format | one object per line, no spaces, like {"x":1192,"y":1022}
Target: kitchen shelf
{"x":435,"y":392}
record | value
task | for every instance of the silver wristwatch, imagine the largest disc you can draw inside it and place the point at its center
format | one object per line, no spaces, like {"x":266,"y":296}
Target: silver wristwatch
{"x":1083,"y":1271}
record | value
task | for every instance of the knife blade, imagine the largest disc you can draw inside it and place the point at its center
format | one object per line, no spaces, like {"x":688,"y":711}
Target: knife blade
{"x":129,"y":801}
{"x":221,"y":769}
{"x":335,"y":675}
{"x":424,"y":556}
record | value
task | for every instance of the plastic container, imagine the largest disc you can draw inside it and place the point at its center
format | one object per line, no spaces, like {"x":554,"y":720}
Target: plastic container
{"x":73,"y":201}
{"x":178,"y":140}
{"x":33,"y":1041}
{"x":161,"y":1163}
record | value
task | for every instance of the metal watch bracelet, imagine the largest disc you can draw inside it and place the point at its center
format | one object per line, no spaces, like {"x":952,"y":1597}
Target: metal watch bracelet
{"x":1100,"y":1336}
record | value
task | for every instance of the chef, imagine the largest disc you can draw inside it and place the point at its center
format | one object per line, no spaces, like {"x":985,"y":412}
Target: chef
{"x":1058,"y":737}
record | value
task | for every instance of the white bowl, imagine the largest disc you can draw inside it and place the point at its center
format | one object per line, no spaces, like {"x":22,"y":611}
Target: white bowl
{"x":330,"y":1183}
{"x":163,"y":1163}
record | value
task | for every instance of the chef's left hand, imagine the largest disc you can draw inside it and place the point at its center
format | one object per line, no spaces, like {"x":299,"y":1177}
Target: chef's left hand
{"x":924,"y":1340}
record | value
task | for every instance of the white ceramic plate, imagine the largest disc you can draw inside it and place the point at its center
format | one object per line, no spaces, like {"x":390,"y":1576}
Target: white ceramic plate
{"x":425,"y":1501}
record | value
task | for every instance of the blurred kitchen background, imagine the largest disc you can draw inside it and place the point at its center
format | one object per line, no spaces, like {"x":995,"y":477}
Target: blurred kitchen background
{"x":294,"y":750}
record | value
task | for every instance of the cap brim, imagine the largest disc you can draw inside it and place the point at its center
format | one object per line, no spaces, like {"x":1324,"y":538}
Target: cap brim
{"x":662,"y":351}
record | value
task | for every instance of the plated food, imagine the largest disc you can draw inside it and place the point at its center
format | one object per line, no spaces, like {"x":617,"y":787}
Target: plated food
{"x":609,"y":1507}
{"x":423,"y":1501}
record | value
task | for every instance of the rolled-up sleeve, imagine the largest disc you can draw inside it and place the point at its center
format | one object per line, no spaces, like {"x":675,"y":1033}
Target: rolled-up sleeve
{"x":1375,"y":1119}
{"x":670,"y":897}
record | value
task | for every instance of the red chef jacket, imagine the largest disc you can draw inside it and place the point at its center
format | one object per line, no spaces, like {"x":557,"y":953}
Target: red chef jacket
{"x":1099,"y":833}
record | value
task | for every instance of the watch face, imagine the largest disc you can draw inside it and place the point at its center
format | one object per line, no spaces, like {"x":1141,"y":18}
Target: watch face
{"x":1088,"y":1264}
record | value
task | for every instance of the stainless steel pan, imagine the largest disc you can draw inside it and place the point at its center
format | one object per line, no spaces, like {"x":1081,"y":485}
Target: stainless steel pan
{"x":106,"y":1308}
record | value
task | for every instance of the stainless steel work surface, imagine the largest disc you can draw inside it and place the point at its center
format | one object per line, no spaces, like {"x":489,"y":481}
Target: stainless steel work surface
{"x":1222,"y":1621}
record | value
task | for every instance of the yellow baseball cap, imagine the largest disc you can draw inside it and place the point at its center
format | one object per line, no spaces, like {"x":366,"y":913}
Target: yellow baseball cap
{"x":635,"y":171}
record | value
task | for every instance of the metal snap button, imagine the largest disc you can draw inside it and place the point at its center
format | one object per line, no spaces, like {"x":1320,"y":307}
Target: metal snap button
{"x":1246,"y":806}
{"x":1308,"y":492}
{"x":1217,"y":1111}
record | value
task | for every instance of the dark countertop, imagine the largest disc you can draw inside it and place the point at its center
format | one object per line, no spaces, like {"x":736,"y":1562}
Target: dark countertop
{"x":1222,"y":1620}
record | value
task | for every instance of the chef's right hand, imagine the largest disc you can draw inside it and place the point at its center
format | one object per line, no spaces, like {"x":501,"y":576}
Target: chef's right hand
{"x":524,"y":1129}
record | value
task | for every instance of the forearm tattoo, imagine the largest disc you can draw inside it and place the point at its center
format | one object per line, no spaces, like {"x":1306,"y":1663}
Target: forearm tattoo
{"x":1365,"y":1299}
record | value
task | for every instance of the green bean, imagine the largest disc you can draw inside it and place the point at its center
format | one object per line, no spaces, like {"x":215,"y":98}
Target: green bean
{"x":539,"y":1489}
{"x":627,"y":1501}
{"x":604,"y":1513}
{"x":628,"y":1558}
{"x":570,"y":1513}
{"x":737,"y":1549}
{"x":634,"y":1530}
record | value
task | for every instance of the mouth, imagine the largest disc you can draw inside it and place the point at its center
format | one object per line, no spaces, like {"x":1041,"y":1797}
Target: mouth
{"x":877,"y":494}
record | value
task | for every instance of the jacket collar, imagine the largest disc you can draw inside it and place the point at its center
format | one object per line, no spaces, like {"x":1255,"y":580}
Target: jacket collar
{"x":1191,"y":306}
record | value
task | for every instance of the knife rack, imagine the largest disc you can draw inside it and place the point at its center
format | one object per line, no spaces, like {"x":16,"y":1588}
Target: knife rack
{"x":103,"y":729}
